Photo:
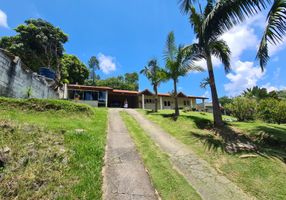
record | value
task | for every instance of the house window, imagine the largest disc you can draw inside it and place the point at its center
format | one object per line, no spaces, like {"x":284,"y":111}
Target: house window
{"x":167,"y":103}
{"x":186,"y":103}
{"x":148,"y":100}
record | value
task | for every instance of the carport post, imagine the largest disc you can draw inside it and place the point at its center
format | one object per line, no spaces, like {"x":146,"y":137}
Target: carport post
{"x":143,"y":102}
{"x":161,"y":103}
{"x":106,"y":99}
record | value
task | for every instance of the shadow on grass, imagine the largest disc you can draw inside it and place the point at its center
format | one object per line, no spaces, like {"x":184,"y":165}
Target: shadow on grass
{"x":233,"y":141}
{"x":265,"y":141}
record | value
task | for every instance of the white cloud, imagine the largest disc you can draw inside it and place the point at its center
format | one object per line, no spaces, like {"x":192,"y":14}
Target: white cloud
{"x":273,"y":49}
{"x":202,"y":63}
{"x":244,"y":75}
{"x":3,"y":19}
{"x":241,"y":38}
{"x":271,"y":88}
{"x":106,"y":63}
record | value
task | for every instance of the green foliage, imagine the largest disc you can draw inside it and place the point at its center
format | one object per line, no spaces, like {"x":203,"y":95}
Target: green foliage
{"x":127,"y":82}
{"x":282,"y":94}
{"x":225,"y":100}
{"x":29,"y":92}
{"x":93,"y":64}
{"x":38,"y":43}
{"x":242,"y":108}
{"x":272,"y":110}
{"x":73,"y":70}
{"x":44,"y":105}
{"x":179,"y":62}
{"x":259,"y":93}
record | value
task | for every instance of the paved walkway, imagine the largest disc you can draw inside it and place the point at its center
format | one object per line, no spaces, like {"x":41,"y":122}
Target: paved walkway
{"x":125,"y":177}
{"x":207,"y":182}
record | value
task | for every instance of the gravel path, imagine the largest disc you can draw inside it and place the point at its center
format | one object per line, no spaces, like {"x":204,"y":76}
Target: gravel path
{"x":206,"y":180}
{"x":125,"y":177}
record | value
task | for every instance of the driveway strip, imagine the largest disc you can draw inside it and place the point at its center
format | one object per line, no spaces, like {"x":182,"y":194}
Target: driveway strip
{"x":125,"y":177}
{"x":207,"y":181}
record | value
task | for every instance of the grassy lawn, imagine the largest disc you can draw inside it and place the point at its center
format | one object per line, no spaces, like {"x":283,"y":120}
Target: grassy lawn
{"x":51,"y":150}
{"x":262,"y":176}
{"x":168,"y":182}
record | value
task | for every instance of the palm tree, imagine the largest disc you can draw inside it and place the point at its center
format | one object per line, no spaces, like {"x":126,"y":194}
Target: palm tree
{"x":209,"y":45}
{"x":155,"y":75}
{"x":93,"y":65}
{"x":178,"y":63}
{"x":227,"y":13}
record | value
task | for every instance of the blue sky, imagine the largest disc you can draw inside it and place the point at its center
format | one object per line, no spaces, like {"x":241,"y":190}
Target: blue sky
{"x":126,"y":34}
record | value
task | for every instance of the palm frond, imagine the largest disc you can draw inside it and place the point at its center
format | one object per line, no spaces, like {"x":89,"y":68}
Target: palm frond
{"x":228,"y":13}
{"x":194,"y":52}
{"x":171,"y":49}
{"x":209,"y":7}
{"x":262,"y":54}
{"x":196,"y":21}
{"x":274,"y":32}
{"x":220,"y":49}
{"x":186,"y":4}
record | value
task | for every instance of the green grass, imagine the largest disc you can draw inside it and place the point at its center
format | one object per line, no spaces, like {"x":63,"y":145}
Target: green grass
{"x":55,"y":153}
{"x":262,"y":176}
{"x":168,"y":182}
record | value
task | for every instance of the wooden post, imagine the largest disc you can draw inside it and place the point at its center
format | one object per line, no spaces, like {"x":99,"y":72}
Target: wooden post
{"x":143,"y":102}
{"x":106,"y":99}
{"x":161,"y":103}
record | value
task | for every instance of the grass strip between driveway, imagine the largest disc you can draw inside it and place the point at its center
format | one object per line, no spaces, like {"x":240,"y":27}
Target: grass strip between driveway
{"x":167,"y":181}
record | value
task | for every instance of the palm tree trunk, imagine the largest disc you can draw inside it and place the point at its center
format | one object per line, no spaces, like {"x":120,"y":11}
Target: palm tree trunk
{"x":216,"y":108}
{"x":177,"y":113}
{"x":156,"y":98}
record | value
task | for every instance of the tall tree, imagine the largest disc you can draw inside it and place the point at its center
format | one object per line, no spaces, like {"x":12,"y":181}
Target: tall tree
{"x":155,"y":75}
{"x":228,"y":13}
{"x":209,"y":44}
{"x":73,"y":70}
{"x":93,"y":66}
{"x":179,"y":61}
{"x":38,"y":43}
{"x":132,"y":79}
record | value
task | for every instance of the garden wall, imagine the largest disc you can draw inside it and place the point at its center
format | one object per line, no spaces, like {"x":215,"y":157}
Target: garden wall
{"x":16,"y":80}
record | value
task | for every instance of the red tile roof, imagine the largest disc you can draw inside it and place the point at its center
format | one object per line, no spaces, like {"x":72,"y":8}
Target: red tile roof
{"x":127,"y":92}
{"x":86,"y":87}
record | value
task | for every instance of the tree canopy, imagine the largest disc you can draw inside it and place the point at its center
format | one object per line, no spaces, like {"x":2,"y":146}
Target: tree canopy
{"x":73,"y":70}
{"x":38,"y":43}
{"x":127,"y":82}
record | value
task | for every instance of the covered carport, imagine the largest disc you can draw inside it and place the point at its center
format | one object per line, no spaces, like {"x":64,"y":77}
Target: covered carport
{"x":117,"y":98}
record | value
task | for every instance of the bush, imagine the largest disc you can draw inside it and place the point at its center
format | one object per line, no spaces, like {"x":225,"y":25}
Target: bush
{"x":272,"y":111}
{"x":242,"y":108}
{"x":43,"y":105}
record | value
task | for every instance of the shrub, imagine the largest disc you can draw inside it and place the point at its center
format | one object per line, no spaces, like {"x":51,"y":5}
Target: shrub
{"x":44,"y":105}
{"x":242,"y":108}
{"x":272,"y":110}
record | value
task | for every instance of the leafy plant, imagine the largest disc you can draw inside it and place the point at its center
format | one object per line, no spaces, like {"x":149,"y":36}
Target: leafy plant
{"x":73,"y":70}
{"x":29,"y":92}
{"x":272,"y":110}
{"x":242,"y":108}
